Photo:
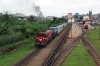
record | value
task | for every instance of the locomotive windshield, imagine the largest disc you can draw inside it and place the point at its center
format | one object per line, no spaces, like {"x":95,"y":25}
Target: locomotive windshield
{"x":41,"y":34}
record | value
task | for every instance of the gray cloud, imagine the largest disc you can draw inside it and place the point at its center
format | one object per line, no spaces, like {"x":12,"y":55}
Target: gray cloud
{"x":50,"y":7}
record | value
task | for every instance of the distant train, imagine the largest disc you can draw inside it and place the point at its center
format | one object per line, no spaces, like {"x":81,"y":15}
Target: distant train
{"x":86,"y":26}
{"x":45,"y":37}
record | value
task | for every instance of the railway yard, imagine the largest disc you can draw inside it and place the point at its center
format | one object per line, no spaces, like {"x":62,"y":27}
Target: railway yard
{"x":49,"y":33}
{"x":54,"y":45}
{"x":54,"y":53}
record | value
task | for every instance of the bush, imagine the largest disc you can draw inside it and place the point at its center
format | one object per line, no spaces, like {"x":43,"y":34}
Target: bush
{"x":9,"y":39}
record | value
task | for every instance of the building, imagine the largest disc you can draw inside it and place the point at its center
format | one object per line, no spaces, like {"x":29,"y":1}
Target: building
{"x":98,"y":15}
{"x":50,"y":17}
{"x":18,"y":15}
{"x":90,"y":14}
{"x":65,"y":17}
{"x":85,"y":17}
{"x":71,"y":20}
{"x":95,"y":16}
{"x":77,"y":14}
{"x":70,"y":15}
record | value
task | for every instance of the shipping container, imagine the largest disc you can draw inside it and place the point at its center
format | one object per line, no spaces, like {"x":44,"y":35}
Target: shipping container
{"x":55,"y":30}
{"x":60,"y":28}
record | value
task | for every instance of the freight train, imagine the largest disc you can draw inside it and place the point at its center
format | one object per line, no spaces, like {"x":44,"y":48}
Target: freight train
{"x":45,"y":37}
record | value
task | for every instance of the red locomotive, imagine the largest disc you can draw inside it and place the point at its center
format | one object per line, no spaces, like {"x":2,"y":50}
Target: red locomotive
{"x":42,"y":38}
{"x":86,"y":26}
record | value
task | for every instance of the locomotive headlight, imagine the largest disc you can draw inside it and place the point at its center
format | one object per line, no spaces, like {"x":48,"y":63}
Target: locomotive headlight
{"x":45,"y":38}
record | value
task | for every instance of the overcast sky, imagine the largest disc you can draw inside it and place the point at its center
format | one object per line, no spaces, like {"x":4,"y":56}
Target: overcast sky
{"x":50,"y":7}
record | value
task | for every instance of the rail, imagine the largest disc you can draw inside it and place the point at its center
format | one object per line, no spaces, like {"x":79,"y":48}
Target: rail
{"x":51,"y":59}
{"x":92,"y":51}
{"x":27,"y":58}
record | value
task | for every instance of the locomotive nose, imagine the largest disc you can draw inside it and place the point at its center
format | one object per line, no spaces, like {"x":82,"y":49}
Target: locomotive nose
{"x":40,"y":39}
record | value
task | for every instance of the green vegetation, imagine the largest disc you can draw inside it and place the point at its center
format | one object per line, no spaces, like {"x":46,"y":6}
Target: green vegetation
{"x":78,"y":57}
{"x":12,"y":57}
{"x":93,"y":37}
{"x":32,"y":18}
{"x":56,"y":21}
{"x":17,"y":36}
{"x":20,"y":31}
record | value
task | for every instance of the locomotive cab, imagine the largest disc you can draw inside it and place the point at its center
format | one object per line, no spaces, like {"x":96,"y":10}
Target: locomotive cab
{"x":42,"y":38}
{"x":86,"y":26}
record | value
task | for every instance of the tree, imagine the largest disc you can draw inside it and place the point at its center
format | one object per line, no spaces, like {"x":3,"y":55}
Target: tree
{"x":3,"y":29}
{"x":53,"y":21}
{"x":32,"y":18}
{"x":6,"y":17}
{"x":62,"y":19}
{"x":54,"y":18}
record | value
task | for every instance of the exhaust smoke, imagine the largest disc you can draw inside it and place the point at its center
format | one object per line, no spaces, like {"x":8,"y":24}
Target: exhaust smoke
{"x":38,"y":11}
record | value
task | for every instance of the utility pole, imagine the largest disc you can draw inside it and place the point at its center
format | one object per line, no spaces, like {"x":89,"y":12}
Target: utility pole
{"x":94,"y":28}
{"x":71,"y":27}
{"x":99,"y":30}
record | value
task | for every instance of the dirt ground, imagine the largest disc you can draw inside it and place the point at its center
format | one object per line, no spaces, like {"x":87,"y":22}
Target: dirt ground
{"x":75,"y":31}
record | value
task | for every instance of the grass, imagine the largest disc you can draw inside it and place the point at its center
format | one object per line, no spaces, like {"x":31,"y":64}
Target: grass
{"x":11,"y":58}
{"x":93,"y":37}
{"x":78,"y":57}
{"x":7,"y":48}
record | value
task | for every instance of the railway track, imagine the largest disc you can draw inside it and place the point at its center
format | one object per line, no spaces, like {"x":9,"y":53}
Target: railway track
{"x":67,"y":49}
{"x":92,"y":51}
{"x":56,"y":50}
{"x":29,"y":59}
{"x":56,"y":55}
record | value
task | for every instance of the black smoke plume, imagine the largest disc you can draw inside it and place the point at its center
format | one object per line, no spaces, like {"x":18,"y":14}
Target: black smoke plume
{"x":38,"y":11}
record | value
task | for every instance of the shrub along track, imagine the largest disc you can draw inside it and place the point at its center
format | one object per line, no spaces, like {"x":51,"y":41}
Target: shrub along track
{"x":56,"y":56}
{"x":38,"y":58}
{"x":92,"y":51}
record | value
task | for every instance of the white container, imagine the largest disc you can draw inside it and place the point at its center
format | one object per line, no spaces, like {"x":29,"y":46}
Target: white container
{"x":60,"y":28}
